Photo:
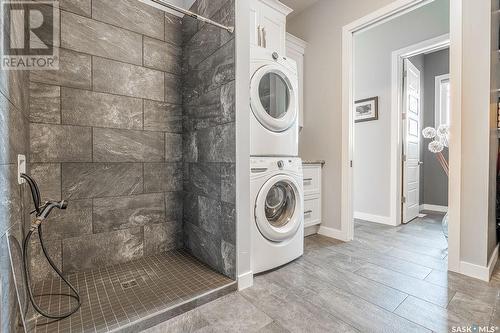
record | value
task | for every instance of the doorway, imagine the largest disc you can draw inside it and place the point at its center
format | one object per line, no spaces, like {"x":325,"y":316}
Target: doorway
{"x":424,"y":86}
{"x":392,"y":213}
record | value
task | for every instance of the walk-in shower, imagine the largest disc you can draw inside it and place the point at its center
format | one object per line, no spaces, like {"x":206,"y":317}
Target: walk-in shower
{"x":136,"y":130}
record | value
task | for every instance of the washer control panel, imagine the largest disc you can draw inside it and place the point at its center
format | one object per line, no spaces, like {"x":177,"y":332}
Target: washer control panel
{"x":263,"y":164}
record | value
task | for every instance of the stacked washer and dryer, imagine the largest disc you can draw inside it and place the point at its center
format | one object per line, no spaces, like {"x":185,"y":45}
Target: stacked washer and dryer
{"x":276,"y":180}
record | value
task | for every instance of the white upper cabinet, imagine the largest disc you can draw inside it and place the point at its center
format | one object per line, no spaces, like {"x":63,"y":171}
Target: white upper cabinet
{"x":296,"y":49}
{"x":268,"y":24}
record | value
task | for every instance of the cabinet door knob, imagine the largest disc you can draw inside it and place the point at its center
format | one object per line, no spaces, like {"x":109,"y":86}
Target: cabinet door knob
{"x":264,"y":40}
{"x":308,"y":212}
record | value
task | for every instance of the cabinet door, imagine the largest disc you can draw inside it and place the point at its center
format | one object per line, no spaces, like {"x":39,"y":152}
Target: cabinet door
{"x":273,"y":24}
{"x":254,"y":23}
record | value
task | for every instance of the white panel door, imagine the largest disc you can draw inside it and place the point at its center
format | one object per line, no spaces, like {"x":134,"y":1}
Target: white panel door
{"x":411,"y":137}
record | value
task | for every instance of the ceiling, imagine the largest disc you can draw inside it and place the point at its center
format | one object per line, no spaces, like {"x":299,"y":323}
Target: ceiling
{"x":298,"y":5}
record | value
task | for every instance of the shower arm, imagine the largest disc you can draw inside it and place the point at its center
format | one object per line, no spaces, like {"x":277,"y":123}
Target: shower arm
{"x":193,"y":15}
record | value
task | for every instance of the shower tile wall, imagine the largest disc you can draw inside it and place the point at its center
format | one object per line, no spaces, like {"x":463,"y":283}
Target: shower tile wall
{"x":106,"y":134}
{"x":209,"y":136}
{"x":14,"y":135}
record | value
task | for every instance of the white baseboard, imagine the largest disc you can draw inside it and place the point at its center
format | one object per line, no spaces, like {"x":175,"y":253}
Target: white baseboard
{"x":480,"y":272}
{"x":373,"y":218}
{"x":434,"y":208}
{"x":333,"y":233}
{"x":245,"y":280}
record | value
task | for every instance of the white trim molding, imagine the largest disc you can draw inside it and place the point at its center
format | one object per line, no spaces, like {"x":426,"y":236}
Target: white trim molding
{"x":295,"y":43}
{"x":245,"y":280}
{"x":280,"y":7}
{"x":434,"y":208}
{"x":373,"y":218}
{"x":480,"y":272}
{"x":438,"y":102}
{"x":333,"y":233}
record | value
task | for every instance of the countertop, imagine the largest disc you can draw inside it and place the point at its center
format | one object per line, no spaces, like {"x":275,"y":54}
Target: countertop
{"x":322,"y":162}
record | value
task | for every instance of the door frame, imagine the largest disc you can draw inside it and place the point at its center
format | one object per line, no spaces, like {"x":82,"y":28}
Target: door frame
{"x":397,"y":130}
{"x":397,"y":8}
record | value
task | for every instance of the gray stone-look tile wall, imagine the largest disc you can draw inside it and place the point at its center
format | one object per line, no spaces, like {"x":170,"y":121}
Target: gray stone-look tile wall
{"x":14,"y":136}
{"x":106,"y":134}
{"x":209,"y":137}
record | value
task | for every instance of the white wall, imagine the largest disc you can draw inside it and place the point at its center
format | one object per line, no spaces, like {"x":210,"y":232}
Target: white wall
{"x":372,"y":72}
{"x":243,"y":241}
{"x":475,"y":132}
{"x":321,"y":27}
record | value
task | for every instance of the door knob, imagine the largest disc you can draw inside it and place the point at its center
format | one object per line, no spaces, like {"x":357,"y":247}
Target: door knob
{"x":420,"y":163}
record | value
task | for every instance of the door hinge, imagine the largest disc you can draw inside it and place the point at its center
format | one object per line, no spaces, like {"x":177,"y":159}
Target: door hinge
{"x":405,"y":73}
{"x":403,"y":199}
{"x":351,"y":163}
{"x":403,"y":115}
{"x":404,"y":158}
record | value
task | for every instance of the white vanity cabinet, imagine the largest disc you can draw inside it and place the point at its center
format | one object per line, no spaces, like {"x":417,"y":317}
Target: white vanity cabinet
{"x":312,"y":193}
{"x":268,"y":24}
{"x":296,"y":50}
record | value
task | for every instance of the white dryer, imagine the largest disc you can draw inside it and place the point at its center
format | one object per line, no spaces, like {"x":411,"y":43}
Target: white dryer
{"x":274,"y":126}
{"x":276,"y":189}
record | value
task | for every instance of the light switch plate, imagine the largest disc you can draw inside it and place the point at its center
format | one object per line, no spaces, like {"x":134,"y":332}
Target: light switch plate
{"x":21,"y":168}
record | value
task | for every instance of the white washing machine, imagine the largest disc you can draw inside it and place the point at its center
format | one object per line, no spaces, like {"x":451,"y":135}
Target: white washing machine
{"x":274,"y":126}
{"x":276,"y":190}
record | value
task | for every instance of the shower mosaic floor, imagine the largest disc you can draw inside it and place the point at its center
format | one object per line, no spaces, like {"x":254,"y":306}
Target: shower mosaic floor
{"x":132,"y":296}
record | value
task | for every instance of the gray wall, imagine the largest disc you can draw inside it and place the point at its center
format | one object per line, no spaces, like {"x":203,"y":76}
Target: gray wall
{"x":106,"y":134}
{"x":434,"y":182}
{"x":209,"y":137}
{"x":14,"y":134}
{"x":373,"y":49}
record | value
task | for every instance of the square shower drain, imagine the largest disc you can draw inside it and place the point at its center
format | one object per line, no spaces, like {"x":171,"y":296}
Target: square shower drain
{"x":129,"y":284}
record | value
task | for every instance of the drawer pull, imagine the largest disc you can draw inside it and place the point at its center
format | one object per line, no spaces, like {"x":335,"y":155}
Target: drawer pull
{"x":308,"y":179}
{"x":308,"y":212}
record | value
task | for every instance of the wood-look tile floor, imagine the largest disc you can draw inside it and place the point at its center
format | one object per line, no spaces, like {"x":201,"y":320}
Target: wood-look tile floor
{"x":389,"y":279}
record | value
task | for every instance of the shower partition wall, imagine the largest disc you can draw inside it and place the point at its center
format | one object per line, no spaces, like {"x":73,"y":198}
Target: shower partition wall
{"x":209,"y":137}
{"x":136,"y":130}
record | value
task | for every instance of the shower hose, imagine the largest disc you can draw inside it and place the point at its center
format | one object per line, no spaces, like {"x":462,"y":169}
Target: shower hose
{"x":41,"y":212}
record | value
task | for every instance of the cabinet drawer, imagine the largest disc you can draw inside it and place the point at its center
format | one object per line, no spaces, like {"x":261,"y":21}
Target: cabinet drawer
{"x":312,"y":180}
{"x":312,"y":211}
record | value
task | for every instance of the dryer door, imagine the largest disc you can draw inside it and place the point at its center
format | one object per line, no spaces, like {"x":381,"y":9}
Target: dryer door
{"x":278,"y":209}
{"x":273,"y":98}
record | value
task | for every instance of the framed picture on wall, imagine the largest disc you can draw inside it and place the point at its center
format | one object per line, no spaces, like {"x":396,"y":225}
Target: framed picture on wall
{"x":366,"y":109}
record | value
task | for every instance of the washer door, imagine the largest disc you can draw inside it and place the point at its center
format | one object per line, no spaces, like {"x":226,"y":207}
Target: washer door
{"x":278,"y":209}
{"x":273,"y":98}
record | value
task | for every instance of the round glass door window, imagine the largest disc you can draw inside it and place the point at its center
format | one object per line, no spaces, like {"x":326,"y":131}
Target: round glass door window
{"x":280,"y":204}
{"x":274,"y":95}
